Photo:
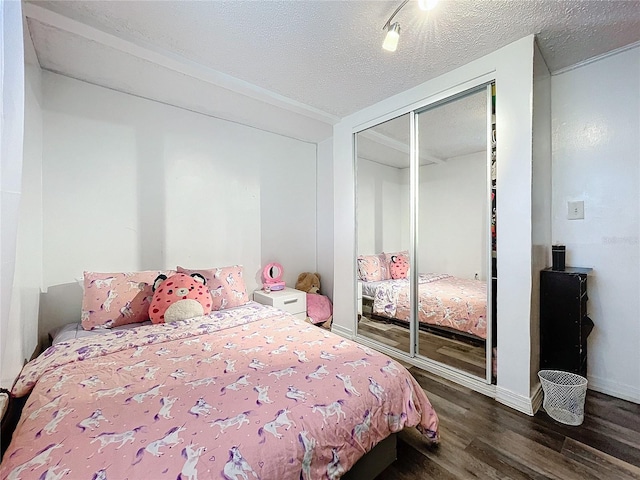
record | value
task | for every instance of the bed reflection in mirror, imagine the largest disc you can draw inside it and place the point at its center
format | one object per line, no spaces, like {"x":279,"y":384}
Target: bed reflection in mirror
{"x":451,"y":202}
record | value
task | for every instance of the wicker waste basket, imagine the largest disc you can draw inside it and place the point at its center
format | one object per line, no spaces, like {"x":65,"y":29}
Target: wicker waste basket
{"x":564,"y":395}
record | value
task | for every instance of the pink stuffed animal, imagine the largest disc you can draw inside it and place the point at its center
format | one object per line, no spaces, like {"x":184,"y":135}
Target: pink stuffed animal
{"x":179,"y":297}
{"x":399,"y":267}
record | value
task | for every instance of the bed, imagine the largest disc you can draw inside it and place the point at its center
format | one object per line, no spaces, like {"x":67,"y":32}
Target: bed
{"x":249,"y":392}
{"x":446,"y":303}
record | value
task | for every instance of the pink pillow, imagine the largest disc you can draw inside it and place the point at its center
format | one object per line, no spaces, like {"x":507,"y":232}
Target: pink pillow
{"x":226,"y":285}
{"x":319,"y":308}
{"x":399,"y":266}
{"x":373,"y":268}
{"x":115,"y":299}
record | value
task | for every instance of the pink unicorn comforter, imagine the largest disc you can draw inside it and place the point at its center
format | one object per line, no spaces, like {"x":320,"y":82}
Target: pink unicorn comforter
{"x":246,"y":393}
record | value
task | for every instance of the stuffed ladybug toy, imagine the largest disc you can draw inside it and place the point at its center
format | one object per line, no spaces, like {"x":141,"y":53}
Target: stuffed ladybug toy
{"x":179,"y":297}
{"x":399,"y":267}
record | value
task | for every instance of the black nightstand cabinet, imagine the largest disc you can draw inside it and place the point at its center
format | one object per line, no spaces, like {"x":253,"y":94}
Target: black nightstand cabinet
{"x":564,"y":324}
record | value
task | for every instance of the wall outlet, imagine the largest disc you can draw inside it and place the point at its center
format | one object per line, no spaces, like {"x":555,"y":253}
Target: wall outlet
{"x":576,"y":210}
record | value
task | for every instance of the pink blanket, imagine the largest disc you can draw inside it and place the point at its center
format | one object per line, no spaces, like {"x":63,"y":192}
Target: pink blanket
{"x":247,"y":393}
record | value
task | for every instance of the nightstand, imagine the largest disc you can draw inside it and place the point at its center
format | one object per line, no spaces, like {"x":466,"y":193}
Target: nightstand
{"x":359,"y":293}
{"x":290,"y":300}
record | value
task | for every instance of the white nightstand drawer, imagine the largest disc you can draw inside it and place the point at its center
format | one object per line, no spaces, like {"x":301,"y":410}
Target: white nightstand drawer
{"x":290,"y":300}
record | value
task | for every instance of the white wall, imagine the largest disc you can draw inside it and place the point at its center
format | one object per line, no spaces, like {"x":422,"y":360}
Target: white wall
{"x":325,"y":216}
{"x":456,"y":190}
{"x":132,"y":184}
{"x":288,"y":204}
{"x":11,"y":145}
{"x":596,"y":159}
{"x":540,"y":198}
{"x":453,"y":217}
{"x":25,"y":299}
{"x":380,"y":216}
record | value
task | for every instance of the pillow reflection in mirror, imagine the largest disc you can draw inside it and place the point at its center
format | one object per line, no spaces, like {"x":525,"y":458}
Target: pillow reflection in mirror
{"x":373,"y":268}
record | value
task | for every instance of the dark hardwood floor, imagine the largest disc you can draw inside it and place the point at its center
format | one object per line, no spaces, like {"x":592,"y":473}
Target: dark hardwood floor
{"x":459,"y":354}
{"x":481,"y":438}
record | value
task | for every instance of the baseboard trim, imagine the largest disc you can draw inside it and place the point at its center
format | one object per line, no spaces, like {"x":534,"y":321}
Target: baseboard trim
{"x":615,"y":389}
{"x":518,"y":402}
{"x":342,"y":331}
{"x":536,"y":398}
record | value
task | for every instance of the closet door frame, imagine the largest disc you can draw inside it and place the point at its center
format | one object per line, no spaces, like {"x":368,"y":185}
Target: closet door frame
{"x":490,"y":320}
{"x":414,"y":208}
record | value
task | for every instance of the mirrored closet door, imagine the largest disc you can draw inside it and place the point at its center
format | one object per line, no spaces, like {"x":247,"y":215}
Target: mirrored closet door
{"x":453,"y":232}
{"x":383,"y":232}
{"x":424,"y":232}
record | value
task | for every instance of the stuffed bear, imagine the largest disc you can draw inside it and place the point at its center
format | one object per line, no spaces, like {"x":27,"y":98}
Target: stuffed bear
{"x":308,"y":282}
{"x":179,"y":297}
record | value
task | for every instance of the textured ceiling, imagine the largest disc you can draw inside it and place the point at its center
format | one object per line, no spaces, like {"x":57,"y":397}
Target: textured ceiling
{"x":327,"y":54}
{"x":450,"y":130}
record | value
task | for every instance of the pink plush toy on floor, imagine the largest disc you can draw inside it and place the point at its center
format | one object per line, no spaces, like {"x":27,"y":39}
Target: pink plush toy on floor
{"x":319,"y":307}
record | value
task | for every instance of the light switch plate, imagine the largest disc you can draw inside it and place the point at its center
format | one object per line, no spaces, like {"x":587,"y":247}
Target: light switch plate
{"x":576,"y":210}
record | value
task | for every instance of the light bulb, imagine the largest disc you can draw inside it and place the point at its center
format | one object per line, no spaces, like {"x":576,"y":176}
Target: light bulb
{"x":391,"y":40}
{"x":427,"y":4}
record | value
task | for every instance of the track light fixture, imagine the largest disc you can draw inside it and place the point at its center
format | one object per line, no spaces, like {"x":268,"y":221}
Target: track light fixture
{"x":393,"y":29}
{"x":391,"y":39}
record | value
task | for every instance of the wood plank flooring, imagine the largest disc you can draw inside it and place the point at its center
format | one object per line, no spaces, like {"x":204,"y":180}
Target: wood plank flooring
{"x":481,"y":438}
{"x":457,"y":354}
